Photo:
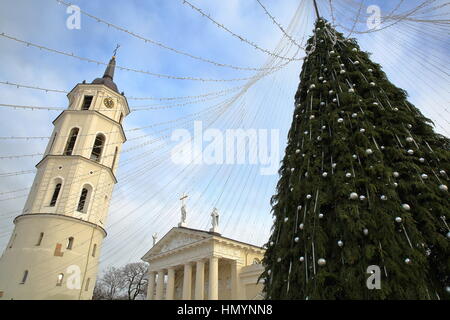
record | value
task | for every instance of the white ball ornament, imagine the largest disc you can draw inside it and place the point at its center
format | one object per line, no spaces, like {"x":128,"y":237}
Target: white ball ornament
{"x":348,"y":175}
{"x":442,"y":172}
{"x":330,"y":92}
{"x":448,"y":234}
{"x":342,"y":65}
{"x":320,"y":78}
{"x":369,"y":151}
{"x":406,"y":206}
{"x":297,"y":151}
{"x":409,"y":139}
{"x":325,"y":174}
{"x":292,"y":169}
{"x":321,"y":262}
{"x":398,"y":219}
{"x":410,"y":151}
{"x":333,"y":165}
{"x":395,"y":184}
{"x":354,"y":156}
{"x":354,"y":49}
{"x":370,"y":70}
{"x":301,"y":226}
{"x":271,"y":243}
{"x":362,"y":130}
{"x":362,"y":198}
{"x":383,"y":197}
{"x":320,"y":215}
{"x":353,"y":196}
{"x":312,"y":86}
{"x":372,"y":84}
{"x":408,"y":261}
{"x":351,"y":90}
{"x":334,"y":100}
{"x":409,"y":126}
{"x":356,"y":62}
{"x":312,"y":117}
{"x":396,"y":174}
{"x":324,"y":81}
{"x":331,"y":52}
{"x":395,"y":109}
{"x":322,"y":103}
{"x":269,"y":272}
{"x":296,"y":239}
{"x":382,"y":148}
{"x":354,"y":115}
{"x":375,"y":103}
{"x":424,"y":176}
{"x":342,"y":71}
{"x":443,"y":187}
{"x":279,"y":260}
{"x":340,"y":120}
{"x":286,"y":219}
{"x":308,"y":196}
{"x":340,"y":243}
{"x":301,"y":259}
{"x":422,"y":160}
{"x":366,"y":232}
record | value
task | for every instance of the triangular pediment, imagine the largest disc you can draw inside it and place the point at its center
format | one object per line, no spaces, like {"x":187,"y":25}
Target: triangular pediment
{"x":176,"y":238}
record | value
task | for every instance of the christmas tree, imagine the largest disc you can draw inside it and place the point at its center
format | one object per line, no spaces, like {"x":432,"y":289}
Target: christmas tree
{"x":363,"y":187}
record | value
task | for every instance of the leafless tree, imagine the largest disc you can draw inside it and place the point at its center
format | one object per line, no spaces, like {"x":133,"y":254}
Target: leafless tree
{"x":135,"y":279}
{"x":110,"y":285}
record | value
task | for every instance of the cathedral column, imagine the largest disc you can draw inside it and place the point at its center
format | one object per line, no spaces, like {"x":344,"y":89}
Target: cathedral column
{"x":213,"y":278}
{"x":235,"y":283}
{"x":160,"y":285}
{"x":187,"y":281}
{"x":151,"y":285}
{"x":170,"y":283}
{"x":200,"y":280}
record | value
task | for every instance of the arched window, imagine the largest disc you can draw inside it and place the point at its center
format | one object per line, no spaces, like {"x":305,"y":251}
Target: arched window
{"x":87,"y":102}
{"x":55,"y":195}
{"x":25,"y":276}
{"x":41,"y":236}
{"x":69,"y":243}
{"x":82,"y":203}
{"x":60,"y":279}
{"x":97,"y":149}
{"x":53,"y":142}
{"x":94,"y":249}
{"x":71,"y":141}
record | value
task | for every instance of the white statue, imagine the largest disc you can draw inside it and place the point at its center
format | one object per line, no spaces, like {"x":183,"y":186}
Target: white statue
{"x":214,"y":221}
{"x":183,"y":211}
{"x":154,"y":236}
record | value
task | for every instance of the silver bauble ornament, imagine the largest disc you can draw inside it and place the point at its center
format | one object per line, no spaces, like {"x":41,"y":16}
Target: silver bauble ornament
{"x":348,"y":175}
{"x":332,"y":52}
{"x":383,"y":197}
{"x":286,"y":219}
{"x":311,"y":117}
{"x":396,"y":109}
{"x":308,"y":196}
{"x":375,"y":103}
{"x":324,"y":81}
{"x":301,"y":259}
{"x":301,"y":226}
{"x":409,"y":139}
{"x":395,"y":184}
{"x":342,"y":65}
{"x":409,"y":126}
{"x":443,"y":187}
{"x":322,"y":103}
{"x":342,"y":71}
{"x":396,"y":174}
{"x":334,"y":100}
{"x":323,"y":127}
{"x":442,"y":172}
{"x":340,"y":120}
{"x":406,"y":206}
{"x":362,"y":130}
{"x":340,"y":243}
{"x":312,"y":86}
{"x":292,"y":169}
{"x":354,"y":156}
{"x":321,"y":262}
{"x":330,"y":92}
{"x":324,"y":174}
{"x":279,"y":260}
{"x":354,"y":115}
{"x":354,"y":49}
{"x":269,"y":272}
{"x":353,"y":196}
{"x":366,"y":232}
{"x":410,"y":152}
{"x":398,"y":219}
{"x":299,"y":208}
{"x":297,"y":151}
{"x":296,"y":239}
{"x":372,"y":84}
{"x":362,"y":198}
{"x":356,"y":62}
{"x":271,"y":243}
{"x":320,"y":215}
{"x":448,"y":234}
{"x":382,"y":148}
{"x":422,"y":160}
{"x":424,"y":176}
{"x":408,"y":261}
{"x":369,"y":151}
{"x":320,"y":78}
{"x":351,"y":90}
{"x":370,"y":70}
{"x":333,"y":165}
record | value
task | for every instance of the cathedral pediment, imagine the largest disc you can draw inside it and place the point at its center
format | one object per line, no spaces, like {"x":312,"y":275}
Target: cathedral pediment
{"x":176,"y":238}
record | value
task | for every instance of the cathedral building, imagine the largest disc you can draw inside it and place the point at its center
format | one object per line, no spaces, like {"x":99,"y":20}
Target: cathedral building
{"x":54,"y":249}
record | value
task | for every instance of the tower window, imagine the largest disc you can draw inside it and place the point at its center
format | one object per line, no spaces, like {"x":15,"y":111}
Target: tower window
{"x":121,"y":117}
{"x":98,"y":147}
{"x":25,"y":276}
{"x":94,"y":249}
{"x":12,"y":240}
{"x":87,"y":102}
{"x":53,"y":142}
{"x":71,"y":142}
{"x":69,"y":243}
{"x":41,"y":236}
{"x":55,"y":195}
{"x":82,"y":201}
{"x":60,"y":279}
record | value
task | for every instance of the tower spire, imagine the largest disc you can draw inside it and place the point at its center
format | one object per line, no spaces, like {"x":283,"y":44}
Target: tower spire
{"x":109,"y":71}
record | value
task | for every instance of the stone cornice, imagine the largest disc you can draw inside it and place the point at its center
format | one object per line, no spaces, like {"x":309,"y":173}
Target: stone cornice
{"x":108,"y":169}
{"x":60,"y":216}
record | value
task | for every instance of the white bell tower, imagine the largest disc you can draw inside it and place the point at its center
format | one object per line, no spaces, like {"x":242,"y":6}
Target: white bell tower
{"x":55,"y":246}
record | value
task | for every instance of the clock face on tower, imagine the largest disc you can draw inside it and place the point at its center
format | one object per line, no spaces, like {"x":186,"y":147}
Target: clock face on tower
{"x":108,"y":102}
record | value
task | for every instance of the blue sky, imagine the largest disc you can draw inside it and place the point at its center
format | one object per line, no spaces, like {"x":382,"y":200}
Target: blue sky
{"x":414,"y":55}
